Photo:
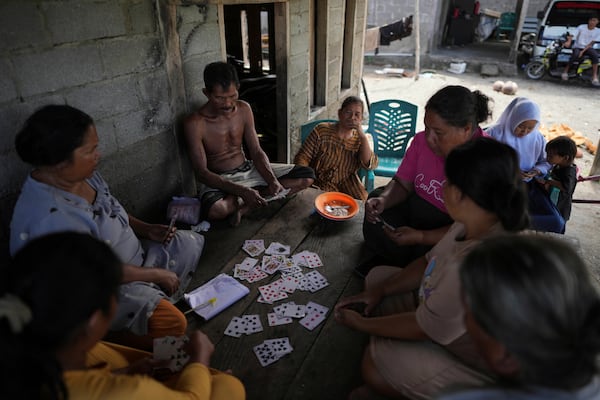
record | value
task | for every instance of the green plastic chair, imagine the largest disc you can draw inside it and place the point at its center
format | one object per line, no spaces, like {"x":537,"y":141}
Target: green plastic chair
{"x":365,"y":175}
{"x":392,"y":123}
{"x":506,"y":24}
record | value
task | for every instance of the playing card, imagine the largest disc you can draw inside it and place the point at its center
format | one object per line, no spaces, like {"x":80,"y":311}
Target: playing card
{"x":235,"y":327}
{"x":299,"y":259}
{"x":254,"y":247}
{"x":280,"y":346}
{"x":256,"y":275}
{"x":274,"y":320}
{"x":289,"y":284}
{"x":240,"y":273}
{"x":171,"y":348}
{"x":280,"y":309}
{"x":270,"y":264}
{"x":278,"y":248}
{"x":272,"y":292}
{"x":248,"y":264}
{"x":252,"y":324}
{"x":286,"y":271}
{"x":279,"y":195}
{"x":311,"y":306}
{"x":265,"y":354}
{"x":295,"y":311}
{"x":304,"y":283}
{"x":316,"y":314}
{"x":313,"y":260}
{"x":317,"y":281}
{"x":272,"y":350}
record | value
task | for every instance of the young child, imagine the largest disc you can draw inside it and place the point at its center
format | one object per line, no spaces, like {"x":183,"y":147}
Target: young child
{"x":560,"y":153}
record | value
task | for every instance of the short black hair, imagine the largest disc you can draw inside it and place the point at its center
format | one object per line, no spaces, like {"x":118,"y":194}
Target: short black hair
{"x":563,"y":146}
{"x":220,"y":73}
{"x":51,"y":134}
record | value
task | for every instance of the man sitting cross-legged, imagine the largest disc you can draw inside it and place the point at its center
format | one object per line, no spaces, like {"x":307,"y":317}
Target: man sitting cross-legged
{"x":230,"y":183}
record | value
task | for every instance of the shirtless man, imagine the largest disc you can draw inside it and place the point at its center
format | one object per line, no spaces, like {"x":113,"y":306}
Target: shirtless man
{"x":232,"y":184}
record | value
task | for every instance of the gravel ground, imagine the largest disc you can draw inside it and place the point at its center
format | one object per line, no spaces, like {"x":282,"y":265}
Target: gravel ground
{"x":571,"y":103}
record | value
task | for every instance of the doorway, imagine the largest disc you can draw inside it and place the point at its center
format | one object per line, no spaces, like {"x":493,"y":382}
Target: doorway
{"x":255,"y":38}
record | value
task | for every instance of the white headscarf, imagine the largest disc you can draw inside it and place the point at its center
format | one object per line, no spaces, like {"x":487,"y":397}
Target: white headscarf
{"x":531,"y":147}
{"x":518,"y":111}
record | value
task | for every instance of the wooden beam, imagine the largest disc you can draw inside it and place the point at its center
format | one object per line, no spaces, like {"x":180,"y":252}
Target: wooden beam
{"x":167,"y":24}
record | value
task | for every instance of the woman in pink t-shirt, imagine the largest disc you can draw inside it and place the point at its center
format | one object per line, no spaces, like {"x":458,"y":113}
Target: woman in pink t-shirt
{"x":411,"y":204}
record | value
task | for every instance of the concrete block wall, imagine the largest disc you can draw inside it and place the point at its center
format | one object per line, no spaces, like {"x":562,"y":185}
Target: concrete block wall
{"x":106,"y":58}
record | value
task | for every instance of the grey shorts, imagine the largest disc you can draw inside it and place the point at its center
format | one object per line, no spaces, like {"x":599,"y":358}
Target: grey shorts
{"x":247,"y":175}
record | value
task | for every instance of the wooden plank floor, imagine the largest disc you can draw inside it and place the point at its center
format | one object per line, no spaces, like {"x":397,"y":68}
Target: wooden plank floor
{"x":325,"y":362}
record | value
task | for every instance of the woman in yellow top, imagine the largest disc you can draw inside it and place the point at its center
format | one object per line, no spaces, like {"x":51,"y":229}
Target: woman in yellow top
{"x":57,"y":302}
{"x":337,"y":150}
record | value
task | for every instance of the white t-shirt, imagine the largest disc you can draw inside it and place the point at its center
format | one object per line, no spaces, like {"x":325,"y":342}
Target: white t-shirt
{"x":584,"y":36}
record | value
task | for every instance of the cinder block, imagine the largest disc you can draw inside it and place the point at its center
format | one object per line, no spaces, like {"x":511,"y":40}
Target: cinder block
{"x":489,"y":70}
{"x":76,"y":21}
{"x":21,"y":25}
{"x":8,"y":91}
{"x":143,"y":17}
{"x":106,"y":98}
{"x":123,"y":56}
{"x":57,"y":69}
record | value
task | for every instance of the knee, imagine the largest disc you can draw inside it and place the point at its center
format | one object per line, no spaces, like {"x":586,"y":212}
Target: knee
{"x":166,"y":320}
{"x":306,"y":182}
{"x":221,"y":209}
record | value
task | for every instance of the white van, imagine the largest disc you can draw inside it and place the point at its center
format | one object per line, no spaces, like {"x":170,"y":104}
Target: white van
{"x":560,"y":16}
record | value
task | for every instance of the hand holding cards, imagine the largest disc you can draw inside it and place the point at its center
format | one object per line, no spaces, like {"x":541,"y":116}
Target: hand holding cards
{"x":171,"y":348}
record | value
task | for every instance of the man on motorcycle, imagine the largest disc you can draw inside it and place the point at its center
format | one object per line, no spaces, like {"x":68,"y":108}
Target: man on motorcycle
{"x":585,"y":37}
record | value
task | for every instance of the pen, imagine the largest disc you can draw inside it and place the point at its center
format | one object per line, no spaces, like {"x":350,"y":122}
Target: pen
{"x":210,"y":302}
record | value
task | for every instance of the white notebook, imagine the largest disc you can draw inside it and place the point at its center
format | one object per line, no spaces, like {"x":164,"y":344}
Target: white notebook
{"x":215,"y":295}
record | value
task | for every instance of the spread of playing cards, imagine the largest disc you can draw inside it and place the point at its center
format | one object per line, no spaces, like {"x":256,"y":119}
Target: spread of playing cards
{"x":287,"y":273}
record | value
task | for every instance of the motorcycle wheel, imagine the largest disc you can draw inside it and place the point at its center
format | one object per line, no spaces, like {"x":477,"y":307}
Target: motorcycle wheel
{"x":535,"y":70}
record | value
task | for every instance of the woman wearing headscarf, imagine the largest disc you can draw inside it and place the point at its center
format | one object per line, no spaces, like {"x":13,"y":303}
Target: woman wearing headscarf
{"x":518,"y":127}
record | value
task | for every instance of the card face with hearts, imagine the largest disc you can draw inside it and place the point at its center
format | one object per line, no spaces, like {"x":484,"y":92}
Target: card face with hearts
{"x":289,"y":284}
{"x":256,"y":275}
{"x":254,"y":247}
{"x":270,"y":264}
{"x":315,"y":314}
{"x":313,"y":260}
{"x":312,"y":320}
{"x":171,"y":348}
{"x":248,"y":264}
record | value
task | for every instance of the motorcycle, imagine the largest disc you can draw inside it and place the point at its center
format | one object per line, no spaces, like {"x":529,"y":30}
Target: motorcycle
{"x":554,"y":60}
{"x":525,"y":49}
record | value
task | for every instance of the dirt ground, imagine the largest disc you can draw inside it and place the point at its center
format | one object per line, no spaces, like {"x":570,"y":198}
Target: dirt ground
{"x":571,"y":103}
